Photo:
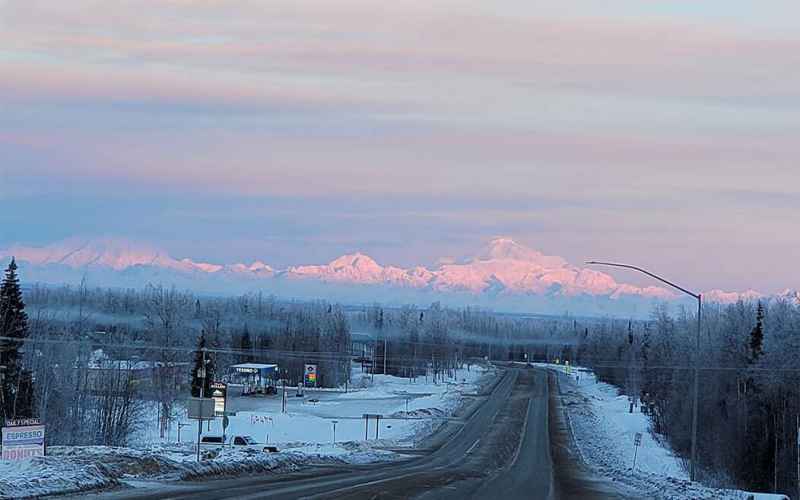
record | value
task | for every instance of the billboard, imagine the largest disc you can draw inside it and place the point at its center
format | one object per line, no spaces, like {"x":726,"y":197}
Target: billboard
{"x":23,"y":438}
{"x":219,"y":392}
{"x":311,"y":375}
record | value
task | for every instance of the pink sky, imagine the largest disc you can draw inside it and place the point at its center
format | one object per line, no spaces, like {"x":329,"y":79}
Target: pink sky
{"x":659,"y":134}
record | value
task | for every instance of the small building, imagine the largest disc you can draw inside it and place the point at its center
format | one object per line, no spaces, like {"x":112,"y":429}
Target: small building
{"x":254,"y":377}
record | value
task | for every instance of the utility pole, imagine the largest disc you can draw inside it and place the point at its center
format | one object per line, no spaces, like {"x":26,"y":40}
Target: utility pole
{"x":797,"y":426}
{"x":202,"y":377}
{"x":283,"y":400}
{"x":385,"y":352}
{"x":695,"y":396}
{"x":775,"y":455}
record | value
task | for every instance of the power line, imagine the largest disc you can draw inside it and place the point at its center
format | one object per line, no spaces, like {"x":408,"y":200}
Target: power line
{"x":342,"y":355}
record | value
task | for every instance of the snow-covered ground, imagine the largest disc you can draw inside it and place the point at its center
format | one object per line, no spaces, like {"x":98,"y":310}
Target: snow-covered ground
{"x":304,"y":434}
{"x":604,"y":431}
{"x":411,"y":410}
{"x":76,"y":469}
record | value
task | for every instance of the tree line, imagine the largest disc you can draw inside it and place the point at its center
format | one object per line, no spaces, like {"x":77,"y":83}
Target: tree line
{"x":749,"y":404}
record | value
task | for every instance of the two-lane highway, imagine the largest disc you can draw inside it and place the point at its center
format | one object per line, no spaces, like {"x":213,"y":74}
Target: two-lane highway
{"x":503,"y":450}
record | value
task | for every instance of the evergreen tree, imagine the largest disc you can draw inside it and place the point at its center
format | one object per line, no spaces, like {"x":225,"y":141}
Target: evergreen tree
{"x":16,"y":391}
{"x":198,"y":363}
{"x":246,"y":345}
{"x":757,"y":335}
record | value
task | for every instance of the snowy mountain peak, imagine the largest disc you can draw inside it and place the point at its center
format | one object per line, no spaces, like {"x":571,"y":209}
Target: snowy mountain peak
{"x":505,"y":268}
{"x":790,"y":295}
{"x":508,"y":249}
{"x":722,"y":297}
{"x":357,"y":261}
{"x":116,"y":254}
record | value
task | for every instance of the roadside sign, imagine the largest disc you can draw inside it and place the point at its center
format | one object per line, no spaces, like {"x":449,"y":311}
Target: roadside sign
{"x":637,"y":440}
{"x":311,"y":375}
{"x":22,"y":438}
{"x":200,"y":408}
{"x":245,"y":369}
{"x":21,"y":422}
{"x":219,"y":393}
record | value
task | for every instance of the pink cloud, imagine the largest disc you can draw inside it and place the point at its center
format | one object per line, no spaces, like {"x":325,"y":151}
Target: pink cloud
{"x":355,"y":41}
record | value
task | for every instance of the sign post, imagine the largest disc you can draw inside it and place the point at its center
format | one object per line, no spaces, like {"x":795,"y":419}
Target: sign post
{"x":334,"y":422}
{"x":637,"y":441}
{"x":200,"y":409}
{"x":366,"y":417}
{"x":23,"y":438}
{"x":219,"y":393}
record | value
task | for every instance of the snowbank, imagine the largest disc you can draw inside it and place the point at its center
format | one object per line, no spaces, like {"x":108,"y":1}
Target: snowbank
{"x":76,"y":469}
{"x":604,"y":431}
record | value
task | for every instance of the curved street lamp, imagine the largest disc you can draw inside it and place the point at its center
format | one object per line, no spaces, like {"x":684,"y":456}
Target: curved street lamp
{"x":699,"y":297}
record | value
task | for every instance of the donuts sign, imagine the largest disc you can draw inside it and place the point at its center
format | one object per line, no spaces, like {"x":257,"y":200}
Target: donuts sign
{"x":23,"y":438}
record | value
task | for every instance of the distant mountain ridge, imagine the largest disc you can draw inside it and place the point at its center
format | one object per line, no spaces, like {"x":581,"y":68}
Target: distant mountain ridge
{"x":504,"y":269}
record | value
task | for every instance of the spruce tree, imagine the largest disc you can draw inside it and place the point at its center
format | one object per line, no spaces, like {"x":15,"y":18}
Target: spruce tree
{"x":757,"y":335}
{"x":246,"y":345}
{"x":16,"y":390}
{"x":198,"y":363}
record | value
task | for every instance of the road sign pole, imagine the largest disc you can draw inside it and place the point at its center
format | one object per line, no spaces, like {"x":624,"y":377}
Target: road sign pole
{"x":377,"y":425}
{"x":637,"y":440}
{"x":366,"y":428}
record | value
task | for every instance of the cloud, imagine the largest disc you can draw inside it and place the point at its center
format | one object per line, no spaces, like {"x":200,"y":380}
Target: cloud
{"x":627,"y":128}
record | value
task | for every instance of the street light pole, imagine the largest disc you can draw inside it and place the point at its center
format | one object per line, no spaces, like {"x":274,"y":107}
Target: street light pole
{"x":699,"y":297}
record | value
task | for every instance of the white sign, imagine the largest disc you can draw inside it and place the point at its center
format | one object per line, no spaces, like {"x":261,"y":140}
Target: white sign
{"x":20,"y":422}
{"x":260,"y":419}
{"x":243,"y":369}
{"x":21,"y":442}
{"x":219,"y":392}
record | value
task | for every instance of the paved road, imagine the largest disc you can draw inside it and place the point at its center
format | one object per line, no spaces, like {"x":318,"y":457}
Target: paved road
{"x":502,"y":451}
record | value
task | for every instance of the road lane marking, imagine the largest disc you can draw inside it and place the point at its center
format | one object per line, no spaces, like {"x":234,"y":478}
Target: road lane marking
{"x":522,"y":435}
{"x":473,"y":446}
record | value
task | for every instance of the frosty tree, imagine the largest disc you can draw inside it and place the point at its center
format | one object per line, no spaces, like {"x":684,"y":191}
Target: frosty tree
{"x":16,"y":387}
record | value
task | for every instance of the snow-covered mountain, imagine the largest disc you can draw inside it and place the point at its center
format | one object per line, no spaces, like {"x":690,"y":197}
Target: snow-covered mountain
{"x":504,"y":267}
{"x":503,"y":271}
{"x":790,"y":295}
{"x":105,"y":252}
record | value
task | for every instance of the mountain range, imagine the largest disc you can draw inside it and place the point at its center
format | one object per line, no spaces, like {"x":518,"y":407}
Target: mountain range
{"x":505,"y":275}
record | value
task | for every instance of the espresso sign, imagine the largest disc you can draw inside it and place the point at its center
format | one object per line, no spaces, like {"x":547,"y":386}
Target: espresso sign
{"x":23,"y":438}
